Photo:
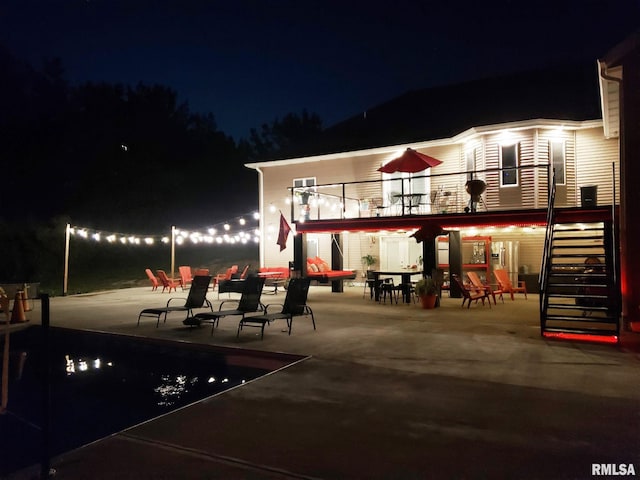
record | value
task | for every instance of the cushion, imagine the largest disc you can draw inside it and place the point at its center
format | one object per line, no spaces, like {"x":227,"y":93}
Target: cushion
{"x":312,"y":267}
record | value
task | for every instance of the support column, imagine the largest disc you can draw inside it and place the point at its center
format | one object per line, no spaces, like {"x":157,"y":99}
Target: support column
{"x":300,"y":255}
{"x":455,"y":262}
{"x":336,"y":261}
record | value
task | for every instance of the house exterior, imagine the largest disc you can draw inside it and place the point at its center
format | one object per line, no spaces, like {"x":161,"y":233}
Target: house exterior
{"x":579,"y":149}
{"x":342,"y":207}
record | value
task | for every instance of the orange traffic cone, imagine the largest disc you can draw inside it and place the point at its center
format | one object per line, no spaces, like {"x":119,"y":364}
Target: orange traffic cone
{"x":17,"y":315}
{"x":4,"y":306}
{"x":25,"y":300}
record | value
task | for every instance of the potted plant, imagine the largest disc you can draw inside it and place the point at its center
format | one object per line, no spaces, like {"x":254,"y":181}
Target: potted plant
{"x":368,"y":260}
{"x":427,"y":290}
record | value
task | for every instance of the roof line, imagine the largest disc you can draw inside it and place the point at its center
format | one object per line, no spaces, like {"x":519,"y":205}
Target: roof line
{"x":459,"y":138}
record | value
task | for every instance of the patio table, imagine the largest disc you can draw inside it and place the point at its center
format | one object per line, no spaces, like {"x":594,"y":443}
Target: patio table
{"x":405,"y":273}
{"x":274,"y":280}
{"x":407,"y":200}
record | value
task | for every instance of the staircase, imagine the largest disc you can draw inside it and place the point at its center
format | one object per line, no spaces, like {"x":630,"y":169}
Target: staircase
{"x":579,"y":284}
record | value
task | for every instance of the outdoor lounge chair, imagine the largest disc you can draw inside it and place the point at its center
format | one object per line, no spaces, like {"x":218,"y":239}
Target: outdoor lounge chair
{"x":249,"y":302}
{"x":505,"y":283}
{"x":185,"y":275}
{"x":480,"y":285}
{"x":155,"y":282}
{"x":295,"y":304}
{"x":168,"y":283}
{"x":197,"y":298}
{"x":471,"y":293}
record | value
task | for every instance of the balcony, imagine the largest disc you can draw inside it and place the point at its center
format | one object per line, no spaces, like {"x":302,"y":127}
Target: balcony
{"x":411,"y":202}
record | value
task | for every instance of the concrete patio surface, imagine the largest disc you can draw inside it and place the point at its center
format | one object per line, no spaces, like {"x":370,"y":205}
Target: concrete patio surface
{"x":389,"y":392}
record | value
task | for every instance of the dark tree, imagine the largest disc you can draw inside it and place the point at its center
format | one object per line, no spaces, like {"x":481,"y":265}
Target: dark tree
{"x":283,"y":137}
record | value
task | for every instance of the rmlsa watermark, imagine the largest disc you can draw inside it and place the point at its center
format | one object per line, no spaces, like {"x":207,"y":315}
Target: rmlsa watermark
{"x":611,"y":469}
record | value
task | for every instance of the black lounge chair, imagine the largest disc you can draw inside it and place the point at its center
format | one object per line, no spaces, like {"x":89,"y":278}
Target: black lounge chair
{"x":197,"y":298}
{"x":295,"y":304}
{"x":249,"y":302}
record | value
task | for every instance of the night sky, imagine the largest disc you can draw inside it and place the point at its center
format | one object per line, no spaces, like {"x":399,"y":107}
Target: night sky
{"x":249,"y":62}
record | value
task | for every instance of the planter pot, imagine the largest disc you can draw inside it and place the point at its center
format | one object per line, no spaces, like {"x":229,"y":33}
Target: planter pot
{"x":428,"y":301}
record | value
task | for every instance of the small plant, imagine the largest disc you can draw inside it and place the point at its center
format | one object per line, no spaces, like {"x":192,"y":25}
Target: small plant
{"x":426,"y":286}
{"x":369,"y":260}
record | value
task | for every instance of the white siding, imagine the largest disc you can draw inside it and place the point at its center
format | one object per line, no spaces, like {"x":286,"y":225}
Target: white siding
{"x":595,"y":159}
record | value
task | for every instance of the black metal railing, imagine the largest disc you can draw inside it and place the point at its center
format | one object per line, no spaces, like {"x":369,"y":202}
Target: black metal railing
{"x":545,"y":265}
{"x":426,"y":194}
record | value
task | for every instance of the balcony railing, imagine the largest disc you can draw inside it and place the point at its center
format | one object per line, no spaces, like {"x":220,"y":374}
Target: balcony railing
{"x":430,"y":194}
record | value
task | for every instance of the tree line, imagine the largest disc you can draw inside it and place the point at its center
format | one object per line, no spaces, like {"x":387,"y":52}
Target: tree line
{"x":119,"y":157}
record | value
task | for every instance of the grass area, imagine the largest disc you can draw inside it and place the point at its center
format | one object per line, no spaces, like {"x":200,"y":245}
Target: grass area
{"x":124,"y":267}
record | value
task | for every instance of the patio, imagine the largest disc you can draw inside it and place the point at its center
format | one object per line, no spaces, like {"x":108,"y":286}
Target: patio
{"x":390,"y":391}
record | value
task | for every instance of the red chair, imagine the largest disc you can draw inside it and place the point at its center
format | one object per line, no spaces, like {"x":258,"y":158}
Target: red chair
{"x":471,"y":293}
{"x":480,"y":285}
{"x":168,"y":283}
{"x":227,"y":275}
{"x":185,"y":275}
{"x":245,"y":270}
{"x":153,"y":279}
{"x":505,"y":283}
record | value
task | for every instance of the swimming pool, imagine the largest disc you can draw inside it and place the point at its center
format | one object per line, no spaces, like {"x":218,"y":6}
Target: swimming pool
{"x":104,"y":383}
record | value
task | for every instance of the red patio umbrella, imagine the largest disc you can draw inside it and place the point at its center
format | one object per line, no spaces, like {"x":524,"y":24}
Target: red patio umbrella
{"x":411,"y":162}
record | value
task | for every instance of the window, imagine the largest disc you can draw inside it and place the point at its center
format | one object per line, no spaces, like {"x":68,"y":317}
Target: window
{"x":304,"y":182}
{"x":557,"y":157}
{"x":302,"y":187}
{"x":303,"y":191}
{"x":471,"y":163}
{"x":509,"y":165}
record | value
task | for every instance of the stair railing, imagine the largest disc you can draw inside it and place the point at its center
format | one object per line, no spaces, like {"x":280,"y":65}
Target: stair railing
{"x":545,"y":265}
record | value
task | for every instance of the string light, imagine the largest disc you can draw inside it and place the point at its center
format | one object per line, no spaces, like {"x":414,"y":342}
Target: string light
{"x":235,"y":231}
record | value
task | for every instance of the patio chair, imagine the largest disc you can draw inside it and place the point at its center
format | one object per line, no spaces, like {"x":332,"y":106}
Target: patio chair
{"x":415,"y":200}
{"x":168,"y":283}
{"x":197,"y":298}
{"x":471,"y":293}
{"x":388,"y":287}
{"x":249,"y":302}
{"x":295,"y":304}
{"x":506,"y":286}
{"x":155,"y":282}
{"x":244,"y":272}
{"x":480,"y":285}
{"x":395,"y":203}
{"x":370,"y":283}
{"x":185,"y":276}
{"x":227,"y":274}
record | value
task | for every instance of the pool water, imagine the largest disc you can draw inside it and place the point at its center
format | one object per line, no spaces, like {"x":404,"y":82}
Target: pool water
{"x":104,"y":383}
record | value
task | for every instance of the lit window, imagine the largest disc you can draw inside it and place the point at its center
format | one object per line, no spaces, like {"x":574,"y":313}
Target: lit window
{"x":304,"y":182}
{"x":557,"y":157}
{"x":509,"y":165}
{"x":471,"y":163}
